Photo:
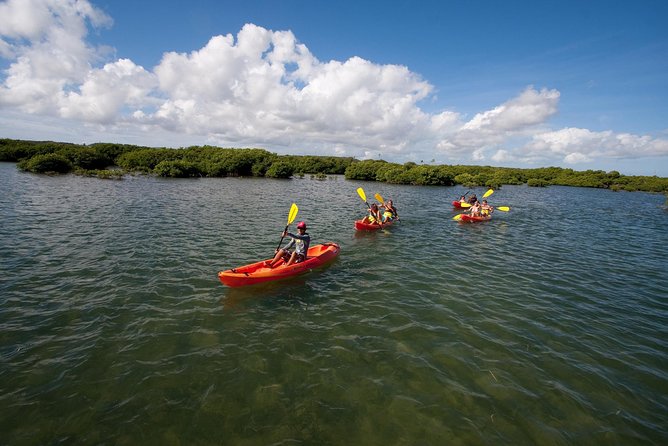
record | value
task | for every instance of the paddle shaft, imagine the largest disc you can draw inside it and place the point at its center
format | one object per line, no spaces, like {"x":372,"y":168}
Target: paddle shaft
{"x":282,"y":237}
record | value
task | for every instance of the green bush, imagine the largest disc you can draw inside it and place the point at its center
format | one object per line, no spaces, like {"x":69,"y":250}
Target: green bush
{"x":176,"y":169}
{"x":46,"y":163}
{"x":364,"y":170}
{"x":85,"y":157}
{"x":280,"y":169}
{"x":145,"y":160}
{"x":537,"y":182}
{"x":466,"y":179}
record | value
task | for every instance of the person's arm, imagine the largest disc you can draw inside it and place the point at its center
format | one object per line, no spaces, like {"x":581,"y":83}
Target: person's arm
{"x":291,"y":243}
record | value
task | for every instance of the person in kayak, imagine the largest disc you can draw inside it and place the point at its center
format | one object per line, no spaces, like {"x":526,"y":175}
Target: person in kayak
{"x":299,"y":242}
{"x":473,"y":199}
{"x":486,"y":209}
{"x":462,"y":199}
{"x":390,"y":211}
{"x":475,"y":209}
{"x":374,"y":215}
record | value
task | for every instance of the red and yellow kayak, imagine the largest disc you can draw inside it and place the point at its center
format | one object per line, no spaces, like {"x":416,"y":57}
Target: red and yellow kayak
{"x":361,"y":225}
{"x":258,"y":272}
{"x":471,"y":219}
{"x":458,"y":204}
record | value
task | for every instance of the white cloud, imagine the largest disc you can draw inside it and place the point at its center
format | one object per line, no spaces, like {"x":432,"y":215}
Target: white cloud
{"x":47,"y":40}
{"x":575,"y":145}
{"x":530,"y":108}
{"x":265,"y":88}
{"x":502,"y":156}
{"x":576,"y":158}
{"x":106,"y":92}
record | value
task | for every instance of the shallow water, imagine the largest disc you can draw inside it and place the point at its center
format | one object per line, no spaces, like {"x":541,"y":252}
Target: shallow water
{"x":546,"y":325}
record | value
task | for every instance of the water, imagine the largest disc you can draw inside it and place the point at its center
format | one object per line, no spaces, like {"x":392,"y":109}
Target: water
{"x":546,"y":325}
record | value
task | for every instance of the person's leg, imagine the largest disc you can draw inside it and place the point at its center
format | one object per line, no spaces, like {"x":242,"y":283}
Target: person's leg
{"x":276,"y":258}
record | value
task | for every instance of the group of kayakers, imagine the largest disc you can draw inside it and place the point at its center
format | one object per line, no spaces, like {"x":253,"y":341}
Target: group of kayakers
{"x":477,"y":209}
{"x":295,"y":251}
{"x":375,"y":215}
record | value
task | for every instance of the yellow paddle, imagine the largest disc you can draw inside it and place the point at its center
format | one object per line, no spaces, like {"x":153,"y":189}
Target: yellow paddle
{"x":488,"y":193}
{"x":291,"y":217}
{"x":362,"y":195}
{"x":457,"y":217}
{"x":465,"y":205}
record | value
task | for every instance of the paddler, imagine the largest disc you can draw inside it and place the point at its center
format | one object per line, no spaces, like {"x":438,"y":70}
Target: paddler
{"x":475,"y":209}
{"x":390,"y":211}
{"x":374,"y":215}
{"x":299,"y":242}
{"x":486,"y":209}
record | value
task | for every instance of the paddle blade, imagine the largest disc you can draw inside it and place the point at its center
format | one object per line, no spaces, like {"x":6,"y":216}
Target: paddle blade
{"x":361,"y":193}
{"x":465,"y":205}
{"x":503,"y":208}
{"x":293,"y":213}
{"x":457,"y":217}
{"x":488,"y":193}
{"x":379,"y":198}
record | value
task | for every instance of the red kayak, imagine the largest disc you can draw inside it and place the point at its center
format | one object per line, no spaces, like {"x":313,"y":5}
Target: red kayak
{"x":258,"y":272}
{"x":458,"y":204}
{"x":360,"y":225}
{"x":471,"y":219}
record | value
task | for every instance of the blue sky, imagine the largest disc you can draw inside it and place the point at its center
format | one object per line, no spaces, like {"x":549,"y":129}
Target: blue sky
{"x":579,"y":84}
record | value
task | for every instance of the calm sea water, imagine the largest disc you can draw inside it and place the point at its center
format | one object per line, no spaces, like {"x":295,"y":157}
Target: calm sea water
{"x":546,"y":325}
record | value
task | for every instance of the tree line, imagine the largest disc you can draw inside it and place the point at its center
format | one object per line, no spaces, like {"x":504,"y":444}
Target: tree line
{"x":108,"y":160}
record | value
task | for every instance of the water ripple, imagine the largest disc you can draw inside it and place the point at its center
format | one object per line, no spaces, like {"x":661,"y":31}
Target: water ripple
{"x":545,"y":325}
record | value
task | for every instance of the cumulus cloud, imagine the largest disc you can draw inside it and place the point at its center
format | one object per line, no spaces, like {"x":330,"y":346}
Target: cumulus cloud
{"x":265,"y":88}
{"x":576,"y":145}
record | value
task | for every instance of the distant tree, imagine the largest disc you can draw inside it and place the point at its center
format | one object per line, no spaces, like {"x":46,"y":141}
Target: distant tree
{"x":280,"y":169}
{"x":46,"y":163}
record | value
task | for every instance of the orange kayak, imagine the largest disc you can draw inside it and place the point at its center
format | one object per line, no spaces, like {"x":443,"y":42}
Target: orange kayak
{"x":258,"y":272}
{"x":472,"y":219}
{"x":360,"y":225}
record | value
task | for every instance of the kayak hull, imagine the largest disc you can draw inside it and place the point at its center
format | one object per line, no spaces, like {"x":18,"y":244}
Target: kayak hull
{"x":471,"y":219}
{"x":360,"y":225}
{"x":258,"y":272}
{"x":457,"y":204}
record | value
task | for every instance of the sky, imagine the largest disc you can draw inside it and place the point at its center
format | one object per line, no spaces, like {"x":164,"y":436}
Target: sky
{"x":514,"y":83}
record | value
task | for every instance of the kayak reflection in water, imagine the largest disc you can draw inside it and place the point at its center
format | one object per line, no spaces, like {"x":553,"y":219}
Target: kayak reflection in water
{"x":299,"y":242}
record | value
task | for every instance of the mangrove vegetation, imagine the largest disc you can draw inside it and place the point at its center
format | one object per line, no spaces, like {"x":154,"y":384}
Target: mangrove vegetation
{"x":107,"y":160}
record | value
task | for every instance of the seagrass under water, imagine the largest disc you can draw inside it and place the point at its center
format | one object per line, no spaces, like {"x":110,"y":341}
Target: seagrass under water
{"x":546,"y":325}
